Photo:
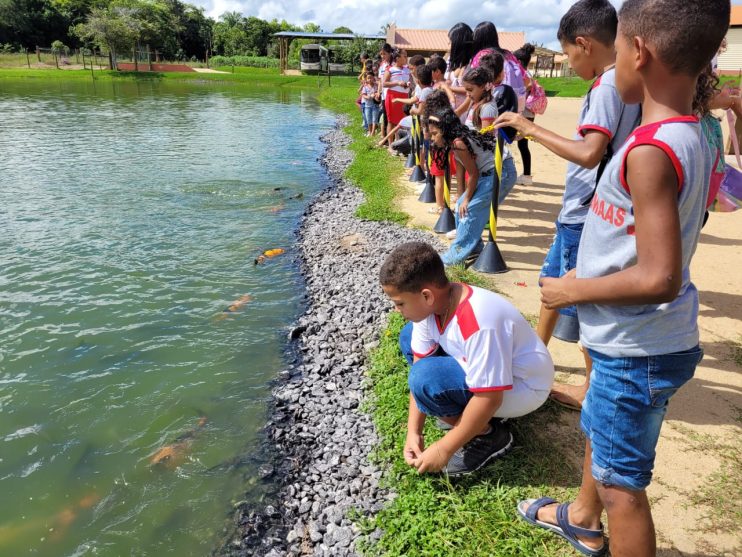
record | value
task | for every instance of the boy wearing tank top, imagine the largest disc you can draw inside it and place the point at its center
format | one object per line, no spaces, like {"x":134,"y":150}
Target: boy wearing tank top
{"x":637,"y":306}
{"x":586,"y":32}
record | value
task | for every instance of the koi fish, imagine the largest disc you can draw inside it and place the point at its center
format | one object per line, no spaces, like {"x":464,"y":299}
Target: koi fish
{"x":267,"y":254}
{"x":173,"y":455}
{"x":237,"y":304}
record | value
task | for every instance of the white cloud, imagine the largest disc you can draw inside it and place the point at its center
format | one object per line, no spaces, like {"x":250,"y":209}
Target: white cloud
{"x":538,"y":18}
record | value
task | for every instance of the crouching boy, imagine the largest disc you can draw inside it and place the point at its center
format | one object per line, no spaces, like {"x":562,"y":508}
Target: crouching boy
{"x":474,"y":359}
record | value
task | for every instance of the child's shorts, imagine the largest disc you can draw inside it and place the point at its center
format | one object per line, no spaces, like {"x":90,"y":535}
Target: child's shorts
{"x":562,"y":256}
{"x":623,"y":411}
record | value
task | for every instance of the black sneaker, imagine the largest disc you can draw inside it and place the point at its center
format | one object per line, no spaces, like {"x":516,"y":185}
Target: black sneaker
{"x":480,"y":450}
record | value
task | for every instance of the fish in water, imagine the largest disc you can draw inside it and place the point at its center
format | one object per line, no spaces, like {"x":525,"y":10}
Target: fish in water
{"x":239,"y":303}
{"x":277,"y":208}
{"x":267,"y":254}
{"x":55,"y":526}
{"x":173,"y":455}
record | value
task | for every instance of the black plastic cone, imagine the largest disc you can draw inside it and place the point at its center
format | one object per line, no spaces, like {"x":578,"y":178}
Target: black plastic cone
{"x":418,"y":175}
{"x":490,"y":260}
{"x":567,"y":328}
{"x":428,"y":194}
{"x":446,"y":222}
{"x":410,"y":160}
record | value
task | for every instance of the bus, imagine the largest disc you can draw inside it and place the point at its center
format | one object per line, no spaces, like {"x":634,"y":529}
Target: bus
{"x":313,"y":58}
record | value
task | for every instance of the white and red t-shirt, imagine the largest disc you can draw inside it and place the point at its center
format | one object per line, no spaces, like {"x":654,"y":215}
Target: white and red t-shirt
{"x":491,"y":341}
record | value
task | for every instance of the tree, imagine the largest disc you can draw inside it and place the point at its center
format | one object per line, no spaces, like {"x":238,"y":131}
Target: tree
{"x":115,"y":28}
{"x":343,"y":29}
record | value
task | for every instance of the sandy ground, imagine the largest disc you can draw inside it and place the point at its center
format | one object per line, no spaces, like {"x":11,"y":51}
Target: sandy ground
{"x":697,"y":477}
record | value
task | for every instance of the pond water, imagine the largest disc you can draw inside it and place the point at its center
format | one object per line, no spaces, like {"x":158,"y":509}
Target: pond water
{"x":130,"y":218}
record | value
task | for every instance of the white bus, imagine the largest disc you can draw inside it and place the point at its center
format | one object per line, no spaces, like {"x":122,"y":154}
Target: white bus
{"x":313,"y":58}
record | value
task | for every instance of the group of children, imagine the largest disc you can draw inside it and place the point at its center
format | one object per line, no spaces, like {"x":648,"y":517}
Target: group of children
{"x":635,"y":196}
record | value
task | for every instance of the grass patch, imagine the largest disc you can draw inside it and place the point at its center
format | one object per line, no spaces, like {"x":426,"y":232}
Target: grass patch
{"x":373,"y":171}
{"x":564,"y":86}
{"x":722,"y":490}
{"x":470,"y":517}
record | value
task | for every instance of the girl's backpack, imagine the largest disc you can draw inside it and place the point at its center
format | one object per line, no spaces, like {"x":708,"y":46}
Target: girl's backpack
{"x":536,"y":100}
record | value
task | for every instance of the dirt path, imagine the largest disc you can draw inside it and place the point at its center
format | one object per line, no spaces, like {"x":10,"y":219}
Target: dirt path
{"x":698,"y":475}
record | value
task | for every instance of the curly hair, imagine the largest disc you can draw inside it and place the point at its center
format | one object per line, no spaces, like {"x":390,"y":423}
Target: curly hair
{"x":452,"y":129}
{"x":707,"y":87}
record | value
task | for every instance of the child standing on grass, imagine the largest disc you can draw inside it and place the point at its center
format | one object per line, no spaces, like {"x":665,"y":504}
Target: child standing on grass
{"x":638,"y":308}
{"x":474,"y":361}
{"x":586,"y":32}
{"x":371,"y":101}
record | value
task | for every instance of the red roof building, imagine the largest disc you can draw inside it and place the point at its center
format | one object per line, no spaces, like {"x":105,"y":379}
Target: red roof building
{"x":429,"y":41}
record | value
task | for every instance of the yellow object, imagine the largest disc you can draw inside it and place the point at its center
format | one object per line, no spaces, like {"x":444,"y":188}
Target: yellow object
{"x":498,"y":169}
{"x":273,"y":252}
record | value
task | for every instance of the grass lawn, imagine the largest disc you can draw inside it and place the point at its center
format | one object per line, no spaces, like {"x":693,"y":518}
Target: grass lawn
{"x":564,"y":86}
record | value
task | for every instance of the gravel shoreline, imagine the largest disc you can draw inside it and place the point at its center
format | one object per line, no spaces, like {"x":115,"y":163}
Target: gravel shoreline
{"x":317,"y":439}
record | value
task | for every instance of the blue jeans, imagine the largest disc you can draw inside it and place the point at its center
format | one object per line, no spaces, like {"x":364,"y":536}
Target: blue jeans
{"x":437,"y":382}
{"x":624,"y":409}
{"x":469,"y":229}
{"x":371,"y":114}
{"x":438,"y":385}
{"x":562,"y":256}
{"x":507,"y":180}
{"x":363,"y":115}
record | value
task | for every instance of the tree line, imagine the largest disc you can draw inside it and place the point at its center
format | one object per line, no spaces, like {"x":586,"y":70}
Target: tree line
{"x":175,"y":29}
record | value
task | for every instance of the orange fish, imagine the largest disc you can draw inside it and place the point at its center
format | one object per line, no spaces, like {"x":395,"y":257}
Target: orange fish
{"x":268,"y":254}
{"x":237,"y":304}
{"x":173,"y":455}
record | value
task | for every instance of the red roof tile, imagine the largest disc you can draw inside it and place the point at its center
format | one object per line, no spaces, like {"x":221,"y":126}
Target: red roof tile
{"x":437,"y":39}
{"x":736,"y":17}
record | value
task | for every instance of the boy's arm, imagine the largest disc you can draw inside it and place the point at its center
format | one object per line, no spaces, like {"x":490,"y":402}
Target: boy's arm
{"x":477,"y":413}
{"x":415,"y":443}
{"x":586,"y":152}
{"x":656,"y":276}
{"x":418,"y":109}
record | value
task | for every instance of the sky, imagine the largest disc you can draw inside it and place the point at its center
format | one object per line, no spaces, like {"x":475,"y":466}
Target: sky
{"x":538,"y":18}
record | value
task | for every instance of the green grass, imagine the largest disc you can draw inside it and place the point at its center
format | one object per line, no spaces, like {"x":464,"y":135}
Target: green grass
{"x":476,"y":516}
{"x":564,"y":86}
{"x":373,"y":171}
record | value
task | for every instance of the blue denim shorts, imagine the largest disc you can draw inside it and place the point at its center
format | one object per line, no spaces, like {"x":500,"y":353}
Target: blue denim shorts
{"x":623,"y":412}
{"x":562,"y":255}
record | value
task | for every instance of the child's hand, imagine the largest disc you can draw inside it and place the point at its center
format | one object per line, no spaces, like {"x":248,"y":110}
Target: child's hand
{"x":432,"y":460}
{"x":463,"y":207}
{"x":413,"y":447}
{"x":515,"y":120}
{"x":555,"y":291}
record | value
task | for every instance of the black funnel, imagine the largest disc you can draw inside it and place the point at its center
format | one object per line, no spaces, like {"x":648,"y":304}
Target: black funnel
{"x":490,"y":260}
{"x":446,"y":222}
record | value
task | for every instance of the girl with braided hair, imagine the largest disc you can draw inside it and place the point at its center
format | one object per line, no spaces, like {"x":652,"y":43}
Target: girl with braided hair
{"x":475,"y":153}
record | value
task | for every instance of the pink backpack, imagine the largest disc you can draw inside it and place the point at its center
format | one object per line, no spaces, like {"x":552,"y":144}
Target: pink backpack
{"x":536,"y":100}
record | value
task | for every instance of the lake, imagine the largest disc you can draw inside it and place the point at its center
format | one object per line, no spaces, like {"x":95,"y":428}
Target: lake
{"x":131,"y":215}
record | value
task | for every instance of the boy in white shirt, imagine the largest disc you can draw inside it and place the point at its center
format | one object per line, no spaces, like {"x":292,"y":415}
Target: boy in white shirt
{"x":474,"y":359}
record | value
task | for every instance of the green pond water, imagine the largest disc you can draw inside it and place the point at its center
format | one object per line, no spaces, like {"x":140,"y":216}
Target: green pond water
{"x":130,"y":217}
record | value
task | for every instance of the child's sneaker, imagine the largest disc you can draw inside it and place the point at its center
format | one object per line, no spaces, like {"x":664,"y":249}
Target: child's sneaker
{"x":451,"y":235}
{"x":524,"y":180}
{"x":480,"y":450}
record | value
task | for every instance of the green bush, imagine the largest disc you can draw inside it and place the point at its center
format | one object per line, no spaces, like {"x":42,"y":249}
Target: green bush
{"x":246,"y":61}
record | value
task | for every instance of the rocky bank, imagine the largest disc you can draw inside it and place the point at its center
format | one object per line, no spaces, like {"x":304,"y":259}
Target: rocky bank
{"x":317,"y":437}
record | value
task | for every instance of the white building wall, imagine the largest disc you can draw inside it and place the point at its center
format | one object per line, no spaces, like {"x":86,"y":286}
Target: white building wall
{"x":731,"y":60}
